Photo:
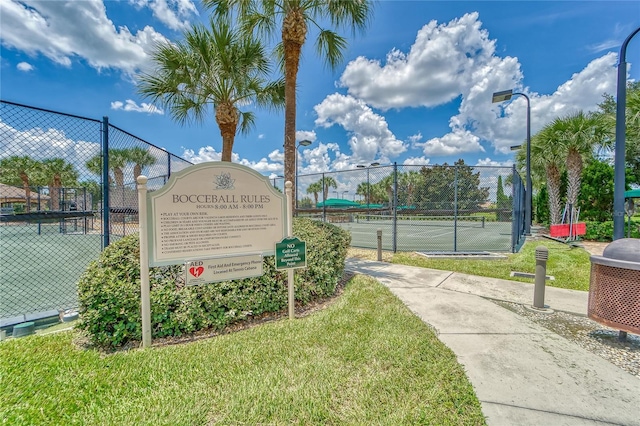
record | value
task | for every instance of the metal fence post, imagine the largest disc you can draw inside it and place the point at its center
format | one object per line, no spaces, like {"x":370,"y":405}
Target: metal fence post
{"x":105,"y":181}
{"x":455,"y":208}
{"x":395,"y":207}
{"x":379,"y":234}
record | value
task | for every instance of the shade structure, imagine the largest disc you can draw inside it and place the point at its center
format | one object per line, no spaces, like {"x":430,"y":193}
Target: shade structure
{"x":634,"y":193}
{"x":338,"y":203}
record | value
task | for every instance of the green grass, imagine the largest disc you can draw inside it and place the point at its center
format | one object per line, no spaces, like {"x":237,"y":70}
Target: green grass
{"x":366,"y":359}
{"x":569,"y":265}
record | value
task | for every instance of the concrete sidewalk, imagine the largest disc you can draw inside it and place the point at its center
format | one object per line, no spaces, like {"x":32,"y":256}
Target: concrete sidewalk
{"x":523,"y":374}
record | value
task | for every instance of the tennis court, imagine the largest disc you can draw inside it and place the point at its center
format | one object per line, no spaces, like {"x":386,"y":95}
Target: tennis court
{"x":430,"y":233}
{"x":41,"y":265}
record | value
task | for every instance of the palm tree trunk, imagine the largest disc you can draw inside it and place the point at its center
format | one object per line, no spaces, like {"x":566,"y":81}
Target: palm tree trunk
{"x":294,"y":33}
{"x":553,"y":185}
{"x":574,"y":175}
{"x":227,"y":119}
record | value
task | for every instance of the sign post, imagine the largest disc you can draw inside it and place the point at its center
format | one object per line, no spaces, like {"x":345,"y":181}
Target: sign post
{"x":145,"y":291}
{"x":218,"y":219}
{"x":290,"y":253}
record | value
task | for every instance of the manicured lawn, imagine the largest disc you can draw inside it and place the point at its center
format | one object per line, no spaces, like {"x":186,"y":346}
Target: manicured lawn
{"x":569,"y":265}
{"x":365,"y":359}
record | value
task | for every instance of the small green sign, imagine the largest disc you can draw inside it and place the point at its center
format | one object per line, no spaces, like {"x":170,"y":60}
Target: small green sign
{"x":291,"y":253}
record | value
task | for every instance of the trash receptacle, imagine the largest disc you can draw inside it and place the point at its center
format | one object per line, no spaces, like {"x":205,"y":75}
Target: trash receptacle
{"x":614,"y":286}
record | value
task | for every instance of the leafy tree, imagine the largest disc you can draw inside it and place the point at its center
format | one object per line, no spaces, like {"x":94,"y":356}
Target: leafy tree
{"x":437,"y":190}
{"x":19,"y":170}
{"x":596,"y":192}
{"x":408,"y":182}
{"x":95,"y":190}
{"x":632,"y":131}
{"x":289,"y":19}
{"x":56,"y":173}
{"x":118,"y":159}
{"x":216,"y":66}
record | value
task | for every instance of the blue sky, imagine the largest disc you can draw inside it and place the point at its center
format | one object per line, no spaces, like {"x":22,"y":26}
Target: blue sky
{"x":414,"y":89}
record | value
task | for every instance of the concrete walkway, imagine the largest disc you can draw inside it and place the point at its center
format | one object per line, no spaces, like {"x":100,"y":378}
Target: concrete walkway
{"x":522,"y":373}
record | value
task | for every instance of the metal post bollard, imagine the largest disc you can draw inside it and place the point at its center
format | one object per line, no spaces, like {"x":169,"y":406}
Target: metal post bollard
{"x":379,"y":232}
{"x":542,"y":254}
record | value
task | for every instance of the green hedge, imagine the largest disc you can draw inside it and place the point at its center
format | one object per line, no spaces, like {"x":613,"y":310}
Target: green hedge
{"x":109,"y":290}
{"x":603,"y":231}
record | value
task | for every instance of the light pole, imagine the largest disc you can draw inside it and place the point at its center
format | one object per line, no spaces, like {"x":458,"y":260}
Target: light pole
{"x":619,"y":160}
{"x":505,"y":95}
{"x":362,"y":166}
{"x":344,"y":192}
{"x":304,"y":142}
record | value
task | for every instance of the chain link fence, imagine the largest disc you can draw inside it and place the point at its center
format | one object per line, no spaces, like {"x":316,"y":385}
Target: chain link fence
{"x":62,"y":200}
{"x":440,"y":208}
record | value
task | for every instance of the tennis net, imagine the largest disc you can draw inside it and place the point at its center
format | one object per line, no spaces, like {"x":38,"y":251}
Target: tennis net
{"x":422,"y":220}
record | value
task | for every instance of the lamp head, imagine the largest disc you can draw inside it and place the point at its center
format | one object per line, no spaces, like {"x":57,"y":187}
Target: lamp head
{"x":505,"y":95}
{"x":305,"y":142}
{"x":375,"y":164}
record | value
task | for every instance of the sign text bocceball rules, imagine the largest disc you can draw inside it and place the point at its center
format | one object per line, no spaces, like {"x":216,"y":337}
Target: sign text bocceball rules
{"x":214,"y":209}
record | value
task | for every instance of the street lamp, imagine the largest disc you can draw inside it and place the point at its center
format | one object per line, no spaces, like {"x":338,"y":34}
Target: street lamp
{"x":304,"y":142}
{"x":506,"y":95}
{"x":344,"y":192}
{"x":362,"y":166}
{"x":619,"y":159}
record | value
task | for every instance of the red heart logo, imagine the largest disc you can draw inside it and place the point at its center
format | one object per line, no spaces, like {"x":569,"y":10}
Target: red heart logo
{"x":196,"y":272}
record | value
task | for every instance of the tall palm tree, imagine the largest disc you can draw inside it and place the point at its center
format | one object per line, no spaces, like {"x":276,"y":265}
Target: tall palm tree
{"x":579,"y":134}
{"x":16,"y":170}
{"x":364,"y":189}
{"x":548,"y":161}
{"x":216,"y":66}
{"x":56,"y":173}
{"x":315,"y":188}
{"x":140,"y":158}
{"x":289,"y":19}
{"x":329,"y":182}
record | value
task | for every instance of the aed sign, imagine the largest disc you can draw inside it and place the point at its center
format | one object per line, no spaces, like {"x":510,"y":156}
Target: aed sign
{"x":206,"y":271}
{"x":291,"y":253}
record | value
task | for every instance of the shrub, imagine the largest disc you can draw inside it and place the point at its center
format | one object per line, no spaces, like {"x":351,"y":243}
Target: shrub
{"x":603,"y":231}
{"x":109,"y":290}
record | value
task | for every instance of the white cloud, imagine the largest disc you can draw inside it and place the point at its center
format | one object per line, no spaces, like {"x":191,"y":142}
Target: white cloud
{"x":131,"y":106}
{"x":24,"y":66}
{"x":434,"y":71}
{"x":309,"y":135}
{"x":457,"y":60}
{"x":208,"y":153}
{"x":173,"y":13}
{"x":416,"y":161}
{"x":370,"y":134}
{"x":489,"y":162}
{"x":75,"y":30}
{"x":458,"y":142}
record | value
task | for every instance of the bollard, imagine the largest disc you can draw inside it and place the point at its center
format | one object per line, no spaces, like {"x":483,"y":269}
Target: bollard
{"x":379,"y":245}
{"x":542,"y":254}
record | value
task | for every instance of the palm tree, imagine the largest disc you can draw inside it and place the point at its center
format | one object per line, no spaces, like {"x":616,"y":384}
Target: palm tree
{"x":56,"y":173}
{"x":141,"y":158}
{"x":547,"y":161}
{"x":364,"y":189}
{"x":329,"y":182}
{"x":216,"y":66}
{"x":16,"y":170}
{"x":407,"y":184}
{"x":315,"y":188}
{"x":289,"y":19}
{"x":579,"y":135}
{"x":118,"y":159}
